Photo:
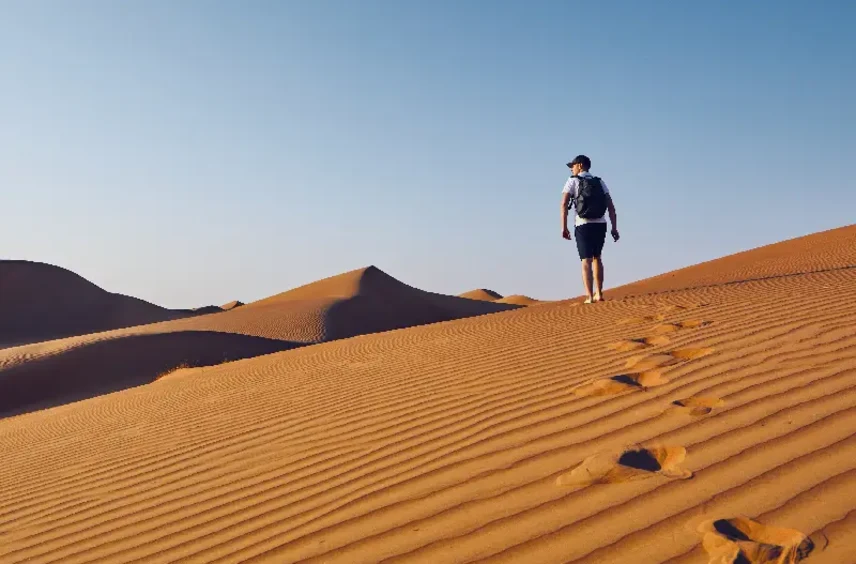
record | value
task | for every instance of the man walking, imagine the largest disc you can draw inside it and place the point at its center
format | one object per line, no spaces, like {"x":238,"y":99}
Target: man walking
{"x":589,"y":197}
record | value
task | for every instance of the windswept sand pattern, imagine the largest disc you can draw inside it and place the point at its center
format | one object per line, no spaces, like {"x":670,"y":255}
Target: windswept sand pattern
{"x":354,"y":303}
{"x":820,"y":252}
{"x":445,"y":442}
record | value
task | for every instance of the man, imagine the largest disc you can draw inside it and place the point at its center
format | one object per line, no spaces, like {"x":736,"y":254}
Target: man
{"x":590,"y":199}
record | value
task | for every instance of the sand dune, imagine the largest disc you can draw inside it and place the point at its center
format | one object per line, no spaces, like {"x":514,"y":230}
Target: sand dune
{"x":481,"y":294}
{"x":519,"y":299}
{"x":470,"y":440}
{"x":39,"y":302}
{"x":205,"y":310}
{"x":97,"y":366}
{"x":491,"y":296}
{"x":231,"y":305}
{"x":354,"y":303}
{"x":820,"y":252}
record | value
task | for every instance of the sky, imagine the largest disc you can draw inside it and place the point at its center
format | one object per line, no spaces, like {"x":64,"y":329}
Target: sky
{"x":196,"y":152}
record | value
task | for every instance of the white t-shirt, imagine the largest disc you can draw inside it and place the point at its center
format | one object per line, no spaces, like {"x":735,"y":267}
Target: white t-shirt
{"x":571,"y":187}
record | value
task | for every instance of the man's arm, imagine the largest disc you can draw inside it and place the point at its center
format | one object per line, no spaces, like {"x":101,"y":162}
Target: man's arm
{"x":613,"y":216}
{"x":566,"y":197}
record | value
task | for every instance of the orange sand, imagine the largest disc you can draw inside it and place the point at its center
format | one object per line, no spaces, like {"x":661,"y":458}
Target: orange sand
{"x":354,"y":303}
{"x":470,"y":439}
{"x":519,"y":299}
{"x":481,"y":294}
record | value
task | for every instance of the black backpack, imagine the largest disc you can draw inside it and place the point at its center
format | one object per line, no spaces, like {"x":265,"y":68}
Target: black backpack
{"x":590,"y":201}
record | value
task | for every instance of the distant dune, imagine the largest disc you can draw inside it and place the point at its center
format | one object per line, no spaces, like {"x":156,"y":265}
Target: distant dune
{"x":481,"y":294}
{"x":39,"y":302}
{"x":354,"y":303}
{"x":519,"y":299}
{"x":358,"y":302}
{"x":703,"y":416}
{"x":205,"y":310}
{"x":231,"y":305}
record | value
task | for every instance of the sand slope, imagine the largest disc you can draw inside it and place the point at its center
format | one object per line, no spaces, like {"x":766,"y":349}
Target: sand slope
{"x":354,"y":303}
{"x":481,"y":294}
{"x":39,"y":302}
{"x":519,"y":299}
{"x":713,"y":424}
{"x":818,"y":252}
{"x":357,"y":302}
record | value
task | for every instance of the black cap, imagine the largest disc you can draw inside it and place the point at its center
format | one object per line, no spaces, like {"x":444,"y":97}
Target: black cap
{"x":581,"y":160}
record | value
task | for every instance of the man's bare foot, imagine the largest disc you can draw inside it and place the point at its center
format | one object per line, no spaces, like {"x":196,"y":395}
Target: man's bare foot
{"x":597,"y":298}
{"x":588,"y":300}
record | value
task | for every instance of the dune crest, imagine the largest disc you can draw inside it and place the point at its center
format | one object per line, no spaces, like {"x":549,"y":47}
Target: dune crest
{"x":40,"y":302}
{"x":519,"y":299}
{"x":355,"y":303}
{"x":481,"y":294}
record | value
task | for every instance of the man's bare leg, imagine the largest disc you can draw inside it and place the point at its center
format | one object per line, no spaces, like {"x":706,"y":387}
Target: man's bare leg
{"x":597,"y":267}
{"x":587,"y":279}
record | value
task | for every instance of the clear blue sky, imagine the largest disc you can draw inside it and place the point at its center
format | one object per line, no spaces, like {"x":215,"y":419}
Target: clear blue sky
{"x":196,"y":152}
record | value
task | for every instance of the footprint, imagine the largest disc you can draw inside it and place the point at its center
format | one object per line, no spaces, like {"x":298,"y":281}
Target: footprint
{"x":696,"y":405}
{"x":657,"y":341}
{"x":629,"y":345}
{"x":636,"y":344}
{"x":647,"y":362}
{"x":634,"y":463}
{"x":665,"y":328}
{"x":744,"y":540}
{"x":621,"y":383}
{"x":694,"y":323}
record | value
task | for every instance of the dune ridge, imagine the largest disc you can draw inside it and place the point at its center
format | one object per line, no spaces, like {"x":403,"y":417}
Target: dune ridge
{"x":353,"y":303}
{"x":481,"y":294}
{"x":818,"y":252}
{"x":41,"y":302}
{"x":519,"y":299}
{"x":444,"y":442}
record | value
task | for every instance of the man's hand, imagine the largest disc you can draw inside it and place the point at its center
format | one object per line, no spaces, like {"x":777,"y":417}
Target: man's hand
{"x":615,"y":235}
{"x":566,"y":234}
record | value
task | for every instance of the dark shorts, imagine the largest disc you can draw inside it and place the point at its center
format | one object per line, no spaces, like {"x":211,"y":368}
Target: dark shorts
{"x":590,"y":238}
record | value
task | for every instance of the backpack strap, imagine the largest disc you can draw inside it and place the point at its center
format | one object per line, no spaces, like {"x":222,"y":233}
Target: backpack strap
{"x":572,"y":202}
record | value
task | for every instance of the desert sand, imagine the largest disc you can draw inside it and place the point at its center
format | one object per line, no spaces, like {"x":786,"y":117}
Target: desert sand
{"x":358,"y":302}
{"x":705,"y":415}
{"x":482,"y":294}
{"x":518,"y":299}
